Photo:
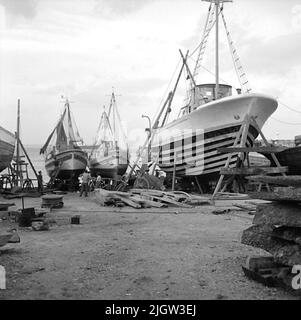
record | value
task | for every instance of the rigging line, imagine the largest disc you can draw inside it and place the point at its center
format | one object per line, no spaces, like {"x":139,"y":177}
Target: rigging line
{"x":199,"y":45}
{"x":226,"y":82}
{"x":284,"y":122}
{"x":166,"y":89}
{"x":290,"y":108}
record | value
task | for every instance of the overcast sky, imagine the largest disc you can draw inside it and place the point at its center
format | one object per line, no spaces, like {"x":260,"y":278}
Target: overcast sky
{"x":83,"y":48}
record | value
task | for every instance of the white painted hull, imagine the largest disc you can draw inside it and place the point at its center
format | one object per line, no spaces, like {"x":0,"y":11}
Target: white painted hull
{"x":67,"y":164}
{"x":109,"y":166}
{"x":194,"y":138}
{"x":7,"y":147}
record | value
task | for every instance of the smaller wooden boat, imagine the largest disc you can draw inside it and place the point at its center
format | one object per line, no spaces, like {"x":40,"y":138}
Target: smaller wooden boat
{"x":64,"y":158}
{"x":290,"y":157}
{"x":110,"y":155}
{"x":7,"y":148}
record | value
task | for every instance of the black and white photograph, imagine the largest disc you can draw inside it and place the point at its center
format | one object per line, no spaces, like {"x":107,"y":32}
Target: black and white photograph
{"x":150,"y":151}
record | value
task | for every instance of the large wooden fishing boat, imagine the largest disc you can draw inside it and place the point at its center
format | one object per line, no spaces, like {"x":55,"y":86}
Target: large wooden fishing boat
{"x":7,"y":147}
{"x":211,"y":117}
{"x":110,"y":155}
{"x":64,"y":158}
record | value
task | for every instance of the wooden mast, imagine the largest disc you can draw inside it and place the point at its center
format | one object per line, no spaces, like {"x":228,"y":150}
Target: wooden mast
{"x":217,"y":8}
{"x":19,"y":175}
{"x":216,"y":51}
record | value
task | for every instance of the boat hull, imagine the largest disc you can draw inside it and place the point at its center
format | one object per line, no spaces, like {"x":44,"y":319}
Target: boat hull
{"x":108,"y":167}
{"x":67,"y":164}
{"x":7,"y":147}
{"x":194,"y":139}
{"x":291,"y":157}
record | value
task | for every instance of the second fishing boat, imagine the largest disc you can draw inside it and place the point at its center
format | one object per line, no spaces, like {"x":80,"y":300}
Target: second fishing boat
{"x":64,"y":158}
{"x":110,"y":154}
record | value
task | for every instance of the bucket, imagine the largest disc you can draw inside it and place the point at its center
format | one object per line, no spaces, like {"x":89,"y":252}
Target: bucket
{"x":75,"y":220}
{"x":25,"y":217}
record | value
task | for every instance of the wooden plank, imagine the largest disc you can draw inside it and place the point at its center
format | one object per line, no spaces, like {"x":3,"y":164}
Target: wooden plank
{"x":148,"y":202}
{"x":253,"y":170}
{"x":256,"y":262}
{"x":244,"y":207}
{"x":285,"y":181}
{"x":281,"y":194}
{"x":148,"y":191}
{"x":4,"y":238}
{"x":278,"y":214}
{"x":266,"y":149}
{"x":168,"y":200}
{"x":270,"y":273}
{"x":198,"y":202}
{"x":5,"y":205}
{"x":129,"y":202}
{"x":200,"y":198}
{"x":177,"y":196}
{"x":231,"y":196}
{"x":283,"y":251}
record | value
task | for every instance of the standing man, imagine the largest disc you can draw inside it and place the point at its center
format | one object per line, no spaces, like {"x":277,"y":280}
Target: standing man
{"x":98,"y":181}
{"x":40,"y":182}
{"x":85,"y":183}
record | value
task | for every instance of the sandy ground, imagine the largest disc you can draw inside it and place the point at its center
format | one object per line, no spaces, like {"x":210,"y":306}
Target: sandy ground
{"x":132,"y":254}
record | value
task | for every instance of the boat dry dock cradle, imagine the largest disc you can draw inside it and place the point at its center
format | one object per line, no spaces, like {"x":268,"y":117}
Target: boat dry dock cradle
{"x":211,"y":118}
{"x":64,"y":158}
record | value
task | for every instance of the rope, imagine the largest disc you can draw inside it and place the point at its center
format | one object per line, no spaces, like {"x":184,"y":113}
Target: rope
{"x":159,"y":106}
{"x":290,"y":108}
{"x":284,"y":122}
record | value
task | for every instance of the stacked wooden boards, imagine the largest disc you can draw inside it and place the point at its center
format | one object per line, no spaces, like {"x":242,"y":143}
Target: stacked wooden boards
{"x":276,"y":229}
{"x":145,"y":198}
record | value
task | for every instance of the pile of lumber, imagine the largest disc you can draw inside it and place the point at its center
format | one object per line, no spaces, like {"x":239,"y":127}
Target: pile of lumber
{"x":146,"y":198}
{"x":11,"y":236}
{"x":52,"y":201}
{"x":276,"y":229}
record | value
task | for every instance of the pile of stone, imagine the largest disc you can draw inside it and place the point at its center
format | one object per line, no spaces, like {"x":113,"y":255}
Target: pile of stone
{"x":277,"y":229}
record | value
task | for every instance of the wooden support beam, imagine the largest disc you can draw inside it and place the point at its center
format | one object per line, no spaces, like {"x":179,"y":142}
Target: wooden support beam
{"x":241,"y":148}
{"x":251,"y":149}
{"x":235,"y":144}
{"x":294,"y":181}
{"x":254,"y":123}
{"x":253,"y":170}
{"x":27,"y":156}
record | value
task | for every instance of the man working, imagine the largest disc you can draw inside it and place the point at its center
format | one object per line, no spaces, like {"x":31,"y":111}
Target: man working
{"x":40,"y":182}
{"x":85,"y":183}
{"x":98,"y":181}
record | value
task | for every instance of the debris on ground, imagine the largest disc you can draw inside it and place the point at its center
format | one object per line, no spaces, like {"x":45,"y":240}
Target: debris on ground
{"x":5,"y":205}
{"x":146,"y":198}
{"x":11,"y":236}
{"x":231,"y":196}
{"x":33,"y":218}
{"x":221,"y":211}
{"x":245,"y":207}
{"x":52,"y":201}
{"x":40,"y":225}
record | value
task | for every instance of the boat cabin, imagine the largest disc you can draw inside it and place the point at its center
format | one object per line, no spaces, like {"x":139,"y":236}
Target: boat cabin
{"x":204,"y":93}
